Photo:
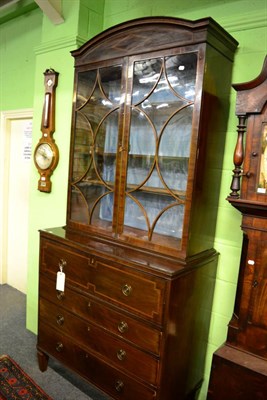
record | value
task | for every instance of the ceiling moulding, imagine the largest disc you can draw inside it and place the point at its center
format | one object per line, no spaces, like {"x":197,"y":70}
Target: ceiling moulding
{"x":58,"y":44}
{"x":245,"y":21}
{"x":52,"y":9}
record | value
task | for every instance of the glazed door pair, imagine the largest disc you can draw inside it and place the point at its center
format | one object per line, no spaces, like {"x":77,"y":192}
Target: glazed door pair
{"x":131,"y":146}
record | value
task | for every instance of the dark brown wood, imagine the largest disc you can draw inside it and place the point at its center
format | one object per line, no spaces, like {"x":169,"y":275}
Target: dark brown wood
{"x":133,"y":316}
{"x":42,"y":360}
{"x":237,"y":375}
{"x":239,"y":367}
{"x":238,"y":157}
{"x":48,"y":129}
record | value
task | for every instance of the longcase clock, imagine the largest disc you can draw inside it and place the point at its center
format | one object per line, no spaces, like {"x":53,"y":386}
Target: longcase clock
{"x":239,"y":369}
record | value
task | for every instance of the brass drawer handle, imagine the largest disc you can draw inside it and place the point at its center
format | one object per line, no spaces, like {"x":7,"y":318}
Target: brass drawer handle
{"x":59,"y":347}
{"x":119,"y":386}
{"x":123,"y":327}
{"x":126,"y":290}
{"x":62,"y":264}
{"x":121,"y":354}
{"x":60,"y":295}
{"x":60,"y":319}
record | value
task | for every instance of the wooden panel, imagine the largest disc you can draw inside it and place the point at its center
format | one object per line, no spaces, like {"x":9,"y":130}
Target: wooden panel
{"x":117,"y":322}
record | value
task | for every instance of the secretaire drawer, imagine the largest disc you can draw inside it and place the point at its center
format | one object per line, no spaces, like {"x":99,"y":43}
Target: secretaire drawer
{"x":120,"y":324}
{"x":96,"y":340}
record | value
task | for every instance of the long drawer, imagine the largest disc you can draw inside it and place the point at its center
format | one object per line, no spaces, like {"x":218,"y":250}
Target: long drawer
{"x":122,"y":325}
{"x":140,"y":293}
{"x":113,"y":381}
{"x":96,"y":340}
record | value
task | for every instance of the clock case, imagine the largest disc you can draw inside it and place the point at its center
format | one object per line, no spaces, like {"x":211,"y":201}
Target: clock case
{"x":239,"y":368}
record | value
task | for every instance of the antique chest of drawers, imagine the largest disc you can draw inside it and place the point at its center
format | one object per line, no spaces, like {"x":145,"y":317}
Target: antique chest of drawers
{"x":122,"y":323}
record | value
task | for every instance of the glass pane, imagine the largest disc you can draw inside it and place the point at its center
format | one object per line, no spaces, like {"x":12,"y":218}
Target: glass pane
{"x":95,"y":203}
{"x":103,"y":212}
{"x":82,"y":145}
{"x":85,"y":87}
{"x":174,"y":150}
{"x":111,"y":83}
{"x":176,"y":136}
{"x":96,"y":109}
{"x":146,"y":76}
{"x":106,"y":148}
{"x":171,"y":221}
{"x":152,"y":214}
{"x":79,"y":210}
{"x":174,"y":172}
{"x":181,"y":74}
{"x":262,"y":185}
{"x":142,"y":149}
{"x":135,"y":215}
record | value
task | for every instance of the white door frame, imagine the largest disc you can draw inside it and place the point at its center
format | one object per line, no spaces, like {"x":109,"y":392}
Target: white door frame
{"x":5,"y":126}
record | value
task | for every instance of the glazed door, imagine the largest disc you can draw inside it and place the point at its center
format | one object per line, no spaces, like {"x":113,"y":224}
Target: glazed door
{"x":158,"y":143}
{"x":133,"y":127}
{"x":99,"y":100}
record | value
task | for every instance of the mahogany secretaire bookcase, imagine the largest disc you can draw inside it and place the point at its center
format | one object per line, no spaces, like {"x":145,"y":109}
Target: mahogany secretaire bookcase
{"x":239,"y":368}
{"x":149,"y":119}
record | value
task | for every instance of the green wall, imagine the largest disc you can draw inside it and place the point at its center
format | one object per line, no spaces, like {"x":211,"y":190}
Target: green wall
{"x":30,"y":43}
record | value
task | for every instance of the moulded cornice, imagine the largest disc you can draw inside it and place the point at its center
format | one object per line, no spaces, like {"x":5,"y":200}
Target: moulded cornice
{"x":235,"y":23}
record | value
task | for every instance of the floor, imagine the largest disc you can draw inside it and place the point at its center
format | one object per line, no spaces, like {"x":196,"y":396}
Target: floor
{"x":20,"y":344}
